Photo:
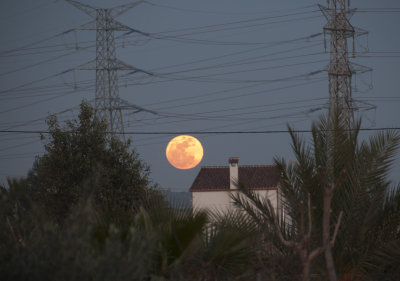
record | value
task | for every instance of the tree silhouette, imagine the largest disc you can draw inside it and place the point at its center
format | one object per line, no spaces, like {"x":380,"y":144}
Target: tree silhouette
{"x":344,"y":179}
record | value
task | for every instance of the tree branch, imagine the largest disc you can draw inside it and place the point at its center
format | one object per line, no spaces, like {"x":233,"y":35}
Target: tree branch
{"x":18,"y":239}
{"x":290,"y":244}
{"x":308,"y":235}
{"x":322,"y":177}
{"x":336,"y":229}
{"x":315,"y":253}
{"x":302,"y":218}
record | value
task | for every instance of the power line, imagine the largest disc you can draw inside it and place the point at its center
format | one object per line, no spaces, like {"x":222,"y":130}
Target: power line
{"x":232,"y":117}
{"x":276,"y":43}
{"x":144,"y":141}
{"x":31,"y":44}
{"x":222,"y":13}
{"x":210,"y":78}
{"x":208,"y":132}
{"x":37,"y":63}
{"x":259,"y":92}
{"x":264,"y":91}
{"x":246,"y":70}
{"x":231,"y":23}
{"x":228,"y":63}
{"x":180,"y":38}
{"x":200,"y":114}
{"x":379,"y":10}
{"x":193,"y":62}
{"x":296,"y":115}
{"x":37,"y":102}
{"x":387,"y":57}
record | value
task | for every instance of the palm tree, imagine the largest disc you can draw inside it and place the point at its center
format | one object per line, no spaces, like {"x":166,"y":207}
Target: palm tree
{"x":197,"y":245}
{"x":356,"y":170}
{"x":370,"y":206}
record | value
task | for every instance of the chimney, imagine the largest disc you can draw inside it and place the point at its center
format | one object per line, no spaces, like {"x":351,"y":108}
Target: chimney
{"x":233,"y":171}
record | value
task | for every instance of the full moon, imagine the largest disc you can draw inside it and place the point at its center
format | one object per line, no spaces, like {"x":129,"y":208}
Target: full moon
{"x":184,"y":152}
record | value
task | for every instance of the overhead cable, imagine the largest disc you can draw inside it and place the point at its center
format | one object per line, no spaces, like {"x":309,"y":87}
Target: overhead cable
{"x":208,"y":132}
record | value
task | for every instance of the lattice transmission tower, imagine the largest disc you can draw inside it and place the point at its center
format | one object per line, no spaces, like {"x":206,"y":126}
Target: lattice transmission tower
{"x":340,"y":70}
{"x":107,"y":101}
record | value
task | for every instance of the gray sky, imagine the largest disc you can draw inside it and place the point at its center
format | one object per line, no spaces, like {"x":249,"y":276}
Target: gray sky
{"x":219,"y":66}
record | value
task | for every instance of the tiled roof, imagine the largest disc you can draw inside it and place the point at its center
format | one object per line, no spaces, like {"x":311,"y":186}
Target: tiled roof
{"x":253,"y":177}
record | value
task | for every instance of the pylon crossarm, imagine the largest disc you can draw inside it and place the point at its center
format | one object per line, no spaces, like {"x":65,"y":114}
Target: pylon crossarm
{"x":119,"y":10}
{"x":87,"y":9}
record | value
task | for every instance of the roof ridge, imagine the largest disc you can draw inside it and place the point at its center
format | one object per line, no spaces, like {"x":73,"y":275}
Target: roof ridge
{"x":266,"y":165}
{"x":206,"y":167}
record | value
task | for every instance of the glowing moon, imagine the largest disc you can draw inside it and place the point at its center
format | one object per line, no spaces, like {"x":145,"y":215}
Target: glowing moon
{"x":184,"y":152}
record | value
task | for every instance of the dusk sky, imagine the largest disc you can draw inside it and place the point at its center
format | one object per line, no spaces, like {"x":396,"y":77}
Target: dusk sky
{"x":216,"y":66}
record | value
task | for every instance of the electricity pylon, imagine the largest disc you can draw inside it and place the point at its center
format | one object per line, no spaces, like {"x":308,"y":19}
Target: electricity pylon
{"x":340,"y":68}
{"x":106,"y":64}
{"x":339,"y":71}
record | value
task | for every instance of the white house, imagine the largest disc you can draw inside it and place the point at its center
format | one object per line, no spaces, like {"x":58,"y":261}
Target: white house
{"x":213,"y":185}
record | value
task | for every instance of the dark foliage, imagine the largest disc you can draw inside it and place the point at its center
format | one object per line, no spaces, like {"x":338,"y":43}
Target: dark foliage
{"x":87,"y":211}
{"x":83,"y":160}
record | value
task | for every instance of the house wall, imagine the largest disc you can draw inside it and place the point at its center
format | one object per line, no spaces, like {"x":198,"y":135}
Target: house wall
{"x":221,"y":201}
{"x":214,"y":200}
